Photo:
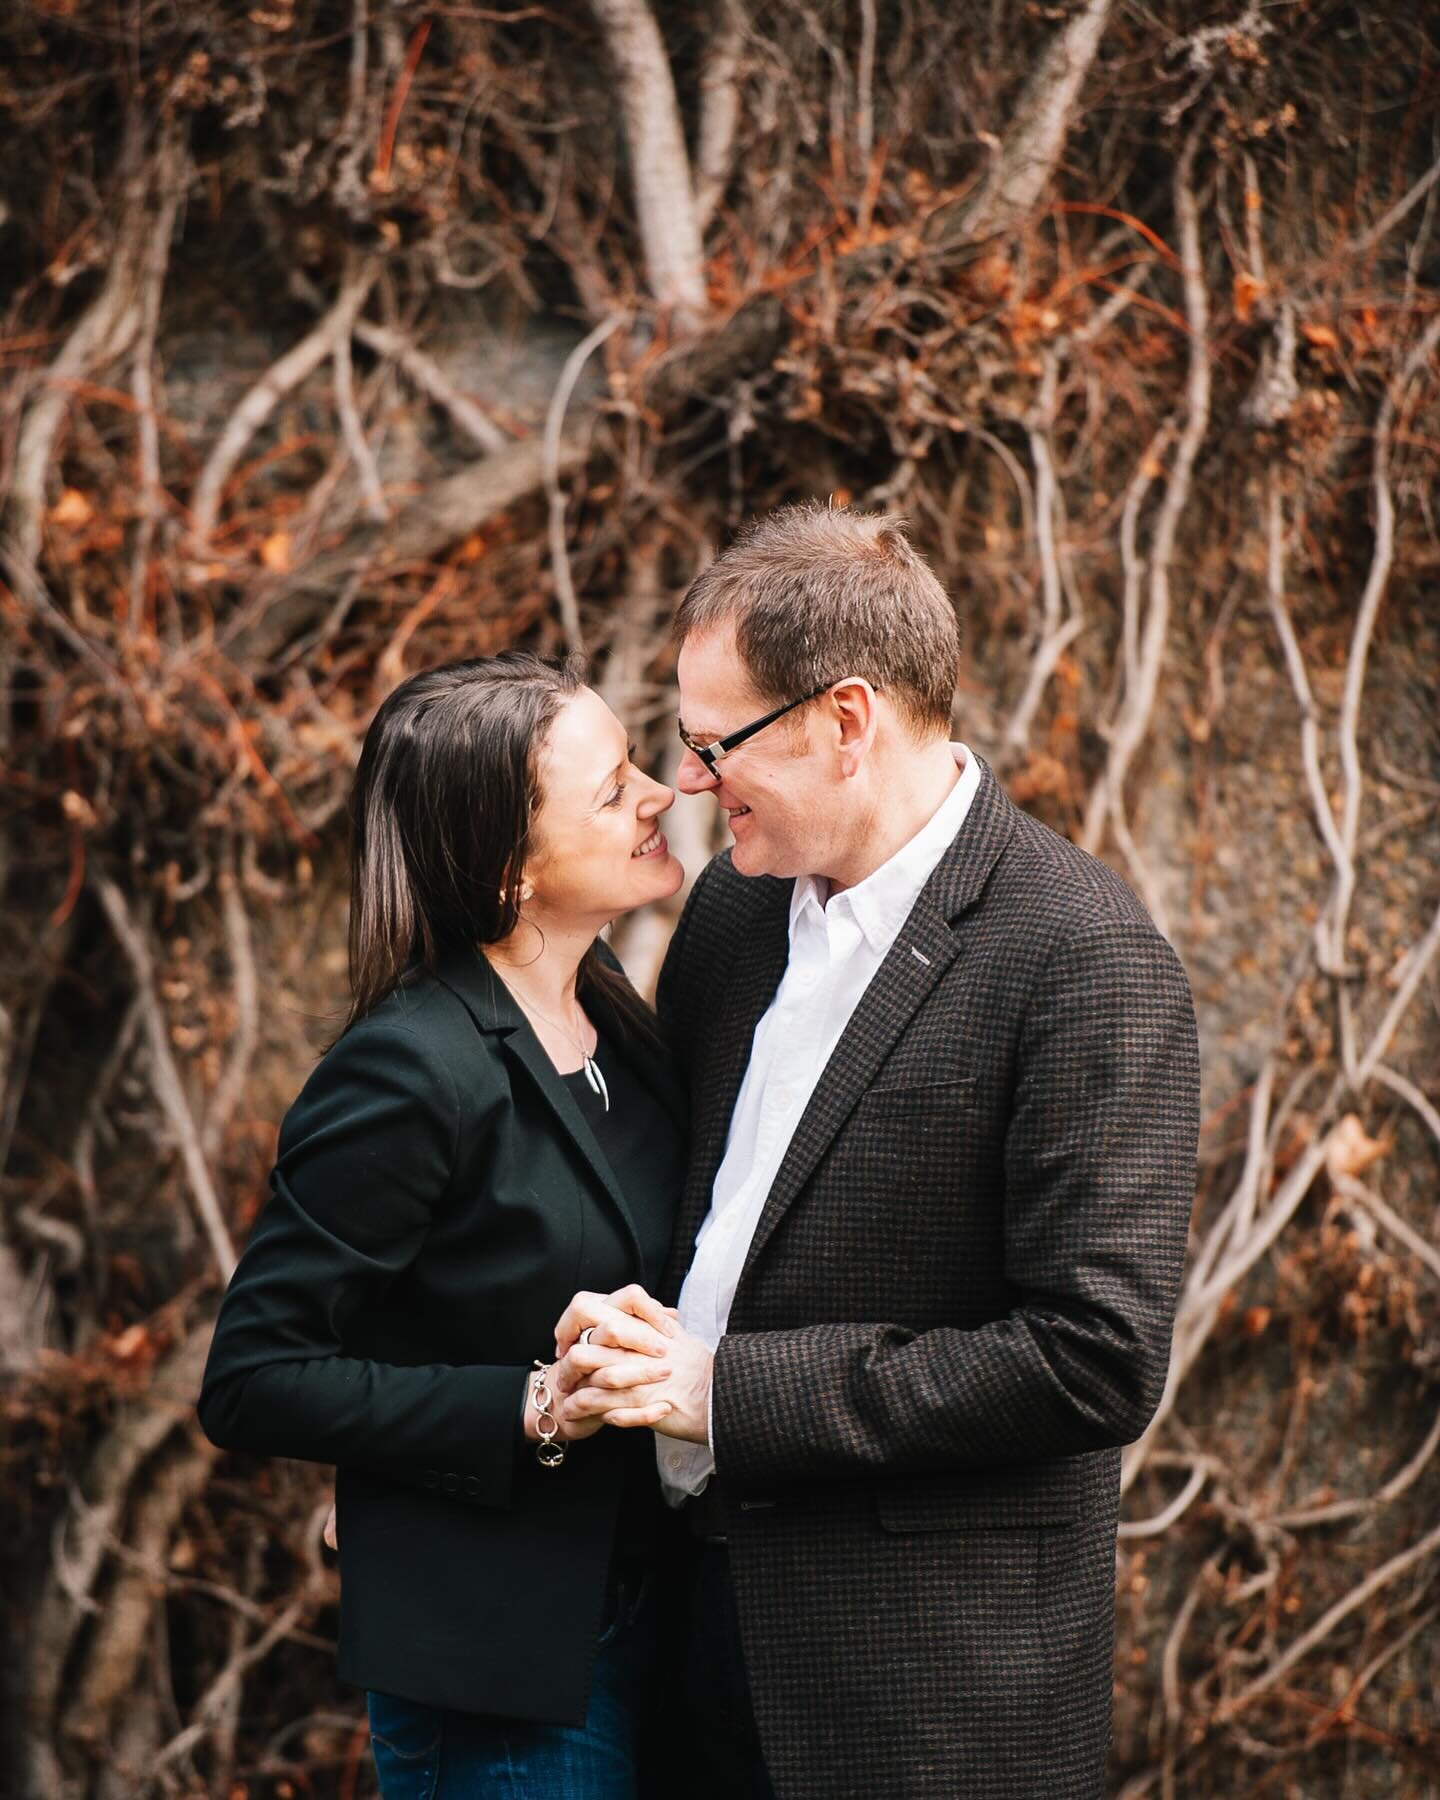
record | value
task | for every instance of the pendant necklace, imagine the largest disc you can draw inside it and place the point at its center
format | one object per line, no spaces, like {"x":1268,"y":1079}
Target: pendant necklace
{"x":593,"y":1073}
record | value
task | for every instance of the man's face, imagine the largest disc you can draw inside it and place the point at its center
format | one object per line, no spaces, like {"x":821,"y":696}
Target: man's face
{"x":781,"y":789}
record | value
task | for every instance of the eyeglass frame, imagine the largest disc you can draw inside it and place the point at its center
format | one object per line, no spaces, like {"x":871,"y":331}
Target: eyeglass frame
{"x":710,"y":754}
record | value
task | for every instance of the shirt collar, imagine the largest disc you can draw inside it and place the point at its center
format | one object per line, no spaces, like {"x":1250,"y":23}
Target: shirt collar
{"x":881,"y":903}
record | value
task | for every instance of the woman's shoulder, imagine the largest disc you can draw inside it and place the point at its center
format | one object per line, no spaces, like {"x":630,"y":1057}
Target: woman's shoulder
{"x":422,"y":1003}
{"x":421,"y":1033}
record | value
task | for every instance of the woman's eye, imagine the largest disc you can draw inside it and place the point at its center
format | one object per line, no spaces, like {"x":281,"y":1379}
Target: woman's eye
{"x":618,"y":795}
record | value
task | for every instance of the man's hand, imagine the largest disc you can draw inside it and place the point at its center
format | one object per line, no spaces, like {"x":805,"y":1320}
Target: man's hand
{"x":683,"y":1391}
{"x":596,"y":1367}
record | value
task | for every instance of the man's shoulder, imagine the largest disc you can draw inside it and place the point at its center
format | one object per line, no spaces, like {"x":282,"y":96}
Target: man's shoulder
{"x":720,"y":889}
{"x":1052,"y":889}
{"x":722,"y":915}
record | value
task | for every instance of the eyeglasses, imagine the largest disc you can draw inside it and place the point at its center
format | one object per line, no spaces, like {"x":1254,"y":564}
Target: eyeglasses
{"x":710,"y":754}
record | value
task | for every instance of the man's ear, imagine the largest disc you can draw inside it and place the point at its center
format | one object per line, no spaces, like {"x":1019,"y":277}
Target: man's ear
{"x":856,"y":713}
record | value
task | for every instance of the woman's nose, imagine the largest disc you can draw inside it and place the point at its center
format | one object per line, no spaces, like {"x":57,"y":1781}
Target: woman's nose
{"x":659,"y":800}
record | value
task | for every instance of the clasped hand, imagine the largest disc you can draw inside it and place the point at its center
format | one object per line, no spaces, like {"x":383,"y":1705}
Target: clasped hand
{"x":636,"y":1366}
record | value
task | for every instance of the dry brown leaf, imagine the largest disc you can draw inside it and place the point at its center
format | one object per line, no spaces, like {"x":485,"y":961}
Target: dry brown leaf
{"x":72,"y":508}
{"x":1321,"y":336}
{"x":1351,"y":1151}
{"x":130,"y":1343}
{"x":275,"y":551}
{"x":78,"y":810}
{"x":1247,"y":291}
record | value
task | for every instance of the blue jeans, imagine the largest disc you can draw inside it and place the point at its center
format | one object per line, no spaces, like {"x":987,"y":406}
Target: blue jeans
{"x":433,"y":1753}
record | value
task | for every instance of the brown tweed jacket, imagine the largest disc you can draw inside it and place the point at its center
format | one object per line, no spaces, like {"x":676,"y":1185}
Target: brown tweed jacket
{"x":957,"y":1306}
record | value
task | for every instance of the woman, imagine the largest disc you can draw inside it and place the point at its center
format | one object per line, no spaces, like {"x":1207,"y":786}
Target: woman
{"x":494,"y":1130}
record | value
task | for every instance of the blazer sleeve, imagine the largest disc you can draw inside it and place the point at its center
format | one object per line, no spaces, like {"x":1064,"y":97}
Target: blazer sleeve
{"x":367,"y":1155}
{"x":1099,"y":1179}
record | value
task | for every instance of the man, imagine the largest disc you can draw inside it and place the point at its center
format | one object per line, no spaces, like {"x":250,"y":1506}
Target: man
{"x":944,"y":1082}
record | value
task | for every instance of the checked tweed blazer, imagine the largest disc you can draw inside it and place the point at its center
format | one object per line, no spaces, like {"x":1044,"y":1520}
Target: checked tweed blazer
{"x":956,"y":1307}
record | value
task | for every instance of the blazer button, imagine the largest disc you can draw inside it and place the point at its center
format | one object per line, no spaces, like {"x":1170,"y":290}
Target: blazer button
{"x":472,"y":1484}
{"x":431,"y":1478}
{"x":450,"y":1484}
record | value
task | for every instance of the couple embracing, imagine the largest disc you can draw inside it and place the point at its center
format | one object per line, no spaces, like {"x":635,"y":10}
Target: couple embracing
{"x":726,"y":1400}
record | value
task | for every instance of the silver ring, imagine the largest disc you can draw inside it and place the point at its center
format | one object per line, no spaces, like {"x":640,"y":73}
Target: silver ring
{"x":585,"y":1334}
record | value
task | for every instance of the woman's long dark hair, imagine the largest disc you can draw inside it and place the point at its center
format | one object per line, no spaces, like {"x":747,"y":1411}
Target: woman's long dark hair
{"x":441,"y":814}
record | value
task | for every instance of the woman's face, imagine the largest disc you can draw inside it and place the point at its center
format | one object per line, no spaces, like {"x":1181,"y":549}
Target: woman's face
{"x":598,"y":847}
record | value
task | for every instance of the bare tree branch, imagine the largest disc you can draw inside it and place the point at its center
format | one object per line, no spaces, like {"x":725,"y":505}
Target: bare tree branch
{"x":1386,"y":223}
{"x":105,"y":330}
{"x":554,"y":424}
{"x":172,"y":172}
{"x":1375,"y":585}
{"x":1333,"y":1512}
{"x":169,"y":1089}
{"x":865,"y":85}
{"x":262,"y":399}
{"x":353,"y":430}
{"x":659,"y":164}
{"x":1035,"y":136}
{"x":246,"y":986}
{"x":1335,"y":1615}
{"x":1133,"y":721}
{"x":719,"y":112}
{"x":427,"y":375}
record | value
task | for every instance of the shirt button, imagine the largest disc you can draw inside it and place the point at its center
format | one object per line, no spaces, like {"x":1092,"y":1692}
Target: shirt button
{"x":672,"y":1462}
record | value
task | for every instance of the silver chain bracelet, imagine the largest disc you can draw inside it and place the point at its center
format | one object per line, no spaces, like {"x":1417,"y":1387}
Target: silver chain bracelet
{"x":549,"y":1452}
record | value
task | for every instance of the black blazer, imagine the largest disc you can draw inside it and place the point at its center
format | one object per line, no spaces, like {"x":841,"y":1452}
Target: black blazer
{"x":437,"y":1200}
{"x":956,"y":1306}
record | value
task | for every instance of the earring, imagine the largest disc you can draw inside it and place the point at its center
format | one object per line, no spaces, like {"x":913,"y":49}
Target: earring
{"x":526,"y":892}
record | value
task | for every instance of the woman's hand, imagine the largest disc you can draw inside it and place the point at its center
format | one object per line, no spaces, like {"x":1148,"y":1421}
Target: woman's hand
{"x":628,"y":1319}
{"x":591,"y":1366}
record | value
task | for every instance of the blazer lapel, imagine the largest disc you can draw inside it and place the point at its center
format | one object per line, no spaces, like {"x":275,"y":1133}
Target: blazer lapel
{"x":918,"y":958}
{"x":494,"y":1009}
{"x":758,"y":948}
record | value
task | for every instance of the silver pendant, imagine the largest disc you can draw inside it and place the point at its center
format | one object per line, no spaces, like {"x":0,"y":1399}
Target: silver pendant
{"x":597,"y":1081}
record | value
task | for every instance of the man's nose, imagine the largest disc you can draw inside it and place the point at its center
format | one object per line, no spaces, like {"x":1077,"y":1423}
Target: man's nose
{"x":692,"y":777}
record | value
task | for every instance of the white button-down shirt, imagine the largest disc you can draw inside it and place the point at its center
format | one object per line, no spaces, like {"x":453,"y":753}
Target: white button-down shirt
{"x":836,"y":945}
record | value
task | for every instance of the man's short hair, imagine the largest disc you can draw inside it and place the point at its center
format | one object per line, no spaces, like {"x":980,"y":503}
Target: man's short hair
{"x":817,"y":593}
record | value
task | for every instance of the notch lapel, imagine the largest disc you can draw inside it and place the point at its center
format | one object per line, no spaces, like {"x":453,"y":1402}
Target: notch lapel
{"x":493,"y":1008}
{"x":919,"y":957}
{"x":755,"y":949}
{"x":895,"y":993}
